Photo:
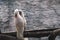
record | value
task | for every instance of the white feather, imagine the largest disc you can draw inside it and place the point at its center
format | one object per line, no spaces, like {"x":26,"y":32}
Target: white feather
{"x":16,"y":10}
{"x":20,"y":23}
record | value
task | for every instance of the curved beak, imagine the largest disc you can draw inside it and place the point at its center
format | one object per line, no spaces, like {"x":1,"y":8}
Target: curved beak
{"x":15,"y":12}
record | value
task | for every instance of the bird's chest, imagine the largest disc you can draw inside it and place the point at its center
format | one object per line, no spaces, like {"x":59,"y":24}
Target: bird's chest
{"x":19,"y":23}
{"x":19,"y":20}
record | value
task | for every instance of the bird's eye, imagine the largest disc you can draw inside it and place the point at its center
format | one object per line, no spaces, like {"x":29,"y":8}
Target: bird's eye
{"x":15,"y":15}
{"x":20,"y":13}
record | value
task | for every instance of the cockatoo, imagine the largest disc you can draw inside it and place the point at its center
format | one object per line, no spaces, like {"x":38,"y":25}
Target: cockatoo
{"x":20,"y":22}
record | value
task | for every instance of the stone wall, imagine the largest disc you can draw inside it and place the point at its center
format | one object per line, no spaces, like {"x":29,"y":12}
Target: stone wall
{"x":40,"y":14}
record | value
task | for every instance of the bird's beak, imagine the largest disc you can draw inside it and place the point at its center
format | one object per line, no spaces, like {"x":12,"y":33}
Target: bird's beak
{"x":15,"y":12}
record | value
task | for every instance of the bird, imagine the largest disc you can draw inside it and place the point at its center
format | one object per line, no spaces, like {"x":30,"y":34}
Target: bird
{"x":20,"y":22}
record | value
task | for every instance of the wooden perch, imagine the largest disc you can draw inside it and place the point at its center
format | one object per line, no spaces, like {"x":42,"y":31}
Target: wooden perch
{"x":7,"y":37}
{"x":53,"y":35}
{"x":34,"y":33}
{"x":38,"y":33}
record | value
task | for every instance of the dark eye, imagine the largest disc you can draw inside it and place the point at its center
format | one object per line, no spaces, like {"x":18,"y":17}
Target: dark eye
{"x":15,"y":15}
{"x":20,"y":12}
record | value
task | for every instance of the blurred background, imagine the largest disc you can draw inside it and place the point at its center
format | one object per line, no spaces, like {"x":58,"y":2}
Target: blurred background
{"x":40,"y":14}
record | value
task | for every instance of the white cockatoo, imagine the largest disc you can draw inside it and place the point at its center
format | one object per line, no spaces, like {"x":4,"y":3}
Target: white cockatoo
{"x":20,"y":22}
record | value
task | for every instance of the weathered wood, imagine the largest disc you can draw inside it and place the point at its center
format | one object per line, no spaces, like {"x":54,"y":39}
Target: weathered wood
{"x":54,"y":34}
{"x":34,"y":33}
{"x":6,"y":37}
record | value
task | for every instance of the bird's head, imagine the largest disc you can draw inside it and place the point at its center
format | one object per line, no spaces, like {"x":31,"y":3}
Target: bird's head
{"x":18,"y":12}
